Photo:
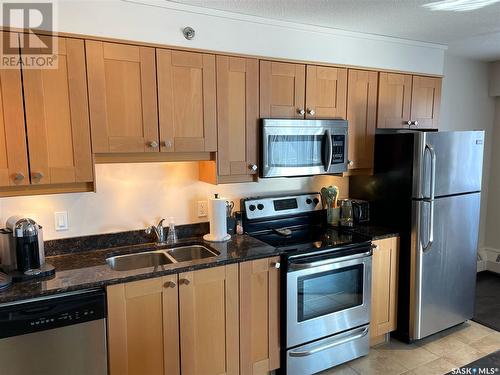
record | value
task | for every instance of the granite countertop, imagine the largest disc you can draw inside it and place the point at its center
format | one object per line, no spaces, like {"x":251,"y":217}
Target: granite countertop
{"x":374,"y":232}
{"x":88,"y":269}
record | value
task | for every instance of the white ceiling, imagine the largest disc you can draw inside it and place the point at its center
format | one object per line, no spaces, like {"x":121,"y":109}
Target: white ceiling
{"x":474,"y":34}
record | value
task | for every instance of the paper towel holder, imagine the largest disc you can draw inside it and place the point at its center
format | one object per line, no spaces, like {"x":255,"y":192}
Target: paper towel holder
{"x":211,"y":237}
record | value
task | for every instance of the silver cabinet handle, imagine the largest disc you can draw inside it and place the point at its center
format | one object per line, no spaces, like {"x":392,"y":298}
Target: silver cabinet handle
{"x":300,"y":111}
{"x":167,"y":143}
{"x":430,"y":200}
{"x":408,"y":122}
{"x":276,"y":265}
{"x":350,"y":163}
{"x":38,"y":175}
{"x":375,"y":246}
{"x":312,"y":112}
{"x":184,"y":281}
{"x":18,"y":176}
{"x":253,"y":167}
{"x":415,"y":123}
{"x":328,"y":163}
{"x":153,"y":144}
{"x":331,"y":344}
{"x":170,"y":284}
{"x":304,"y":266}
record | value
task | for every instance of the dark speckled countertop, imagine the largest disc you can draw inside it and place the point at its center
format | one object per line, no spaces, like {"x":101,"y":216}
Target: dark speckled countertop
{"x":374,"y":232}
{"x":88,"y":269}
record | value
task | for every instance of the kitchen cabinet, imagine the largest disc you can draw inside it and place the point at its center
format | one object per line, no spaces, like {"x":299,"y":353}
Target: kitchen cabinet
{"x":362,"y":117}
{"x":259,"y":316}
{"x":237,"y":122}
{"x":326,"y":92}
{"x":13,"y":149}
{"x":187,"y":101}
{"x":282,"y":90}
{"x":143,"y":330}
{"x":57,"y":117}
{"x":407,"y":101}
{"x":284,"y":93}
{"x":425,"y":102}
{"x":123,"y":97}
{"x":175,"y":324}
{"x":384,"y":288}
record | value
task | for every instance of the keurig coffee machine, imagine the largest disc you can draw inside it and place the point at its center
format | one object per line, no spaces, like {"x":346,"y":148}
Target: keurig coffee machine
{"x":22,"y":254}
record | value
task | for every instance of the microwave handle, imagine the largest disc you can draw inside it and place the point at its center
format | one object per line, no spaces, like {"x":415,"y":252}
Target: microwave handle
{"x":329,"y":153}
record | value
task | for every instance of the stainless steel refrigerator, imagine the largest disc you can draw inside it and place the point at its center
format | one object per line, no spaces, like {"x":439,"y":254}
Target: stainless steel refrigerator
{"x":427,"y":185}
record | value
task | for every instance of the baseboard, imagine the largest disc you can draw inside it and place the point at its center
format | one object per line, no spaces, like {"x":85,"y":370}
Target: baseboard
{"x":488,"y":261}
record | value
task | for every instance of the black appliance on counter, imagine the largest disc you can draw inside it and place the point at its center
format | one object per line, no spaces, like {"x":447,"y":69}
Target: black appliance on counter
{"x":22,"y":253}
{"x":326,"y":281}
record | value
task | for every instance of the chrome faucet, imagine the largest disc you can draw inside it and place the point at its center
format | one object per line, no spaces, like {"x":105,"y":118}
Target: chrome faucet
{"x":159,"y":231}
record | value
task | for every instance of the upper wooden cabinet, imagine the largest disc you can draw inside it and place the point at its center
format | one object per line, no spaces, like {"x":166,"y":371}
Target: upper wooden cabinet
{"x":259,"y":316}
{"x":326,"y":91}
{"x":13,"y":151}
{"x":362,"y":117}
{"x":122,"y":94}
{"x":57,"y":118}
{"x":143,"y":330}
{"x":407,"y":101}
{"x":237,"y":122}
{"x":187,"y":101}
{"x":282,"y":90}
{"x":425,"y":102}
{"x":384,"y":288}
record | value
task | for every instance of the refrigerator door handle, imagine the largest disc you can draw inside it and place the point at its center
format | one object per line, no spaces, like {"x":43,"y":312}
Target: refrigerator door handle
{"x":430,"y":200}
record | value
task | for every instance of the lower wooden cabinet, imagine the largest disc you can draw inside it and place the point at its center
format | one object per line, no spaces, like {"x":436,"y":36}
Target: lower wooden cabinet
{"x":384,"y":288}
{"x":259,"y":316}
{"x":221,"y":320}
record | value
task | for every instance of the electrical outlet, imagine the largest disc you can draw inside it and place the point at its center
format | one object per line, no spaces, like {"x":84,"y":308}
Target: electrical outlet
{"x":202,"y":208}
{"x":61,"y":220}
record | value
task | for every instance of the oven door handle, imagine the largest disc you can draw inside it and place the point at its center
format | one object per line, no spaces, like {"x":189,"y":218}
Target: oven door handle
{"x":329,"y":154}
{"x":335,"y":342}
{"x":303,"y":266}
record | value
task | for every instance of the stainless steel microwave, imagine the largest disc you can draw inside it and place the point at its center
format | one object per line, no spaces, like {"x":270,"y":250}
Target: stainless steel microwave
{"x":303,"y":147}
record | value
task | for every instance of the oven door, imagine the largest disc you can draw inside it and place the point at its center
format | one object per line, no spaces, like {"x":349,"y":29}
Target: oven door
{"x":303,"y":147}
{"x":327,"y":296}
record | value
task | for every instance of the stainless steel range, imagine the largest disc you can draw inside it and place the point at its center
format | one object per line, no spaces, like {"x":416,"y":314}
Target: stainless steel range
{"x":326,"y":281}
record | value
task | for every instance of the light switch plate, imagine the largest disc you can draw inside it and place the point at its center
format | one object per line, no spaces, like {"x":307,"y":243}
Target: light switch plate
{"x":61,"y":220}
{"x":202,"y":208}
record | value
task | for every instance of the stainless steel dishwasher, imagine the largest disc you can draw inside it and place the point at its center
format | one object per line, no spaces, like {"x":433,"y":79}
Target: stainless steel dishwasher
{"x":64,"y":334}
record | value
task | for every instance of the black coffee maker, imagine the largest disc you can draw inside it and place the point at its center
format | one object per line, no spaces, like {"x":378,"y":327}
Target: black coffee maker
{"x":22,"y":252}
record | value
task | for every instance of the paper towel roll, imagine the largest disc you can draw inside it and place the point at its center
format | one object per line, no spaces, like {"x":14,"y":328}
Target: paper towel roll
{"x":217,"y":213}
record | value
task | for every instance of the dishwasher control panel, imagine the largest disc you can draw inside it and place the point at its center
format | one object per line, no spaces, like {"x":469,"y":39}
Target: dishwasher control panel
{"x":51,"y":312}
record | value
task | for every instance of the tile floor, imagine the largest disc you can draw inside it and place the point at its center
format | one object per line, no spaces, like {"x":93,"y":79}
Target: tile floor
{"x":435,"y":355}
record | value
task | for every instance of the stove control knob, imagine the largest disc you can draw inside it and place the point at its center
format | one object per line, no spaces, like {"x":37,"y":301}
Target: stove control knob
{"x":252,"y":207}
{"x":260,"y":206}
{"x":316,"y":201}
{"x":309,"y":201}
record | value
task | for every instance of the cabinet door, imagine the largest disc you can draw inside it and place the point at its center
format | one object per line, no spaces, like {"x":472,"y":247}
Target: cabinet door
{"x":122,"y":95}
{"x":384,"y":287}
{"x":425,"y":102}
{"x":13,"y":151}
{"x":143,"y":331}
{"x":282,"y":90}
{"x":394,"y":100}
{"x":238,"y":115}
{"x":326,"y":92}
{"x":259,"y":316}
{"x":57,"y":117}
{"x":209,"y":321}
{"x":362,"y":117}
{"x":186,"y":96}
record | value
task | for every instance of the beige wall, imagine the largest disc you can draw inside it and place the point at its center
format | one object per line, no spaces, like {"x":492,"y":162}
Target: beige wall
{"x":495,"y":78}
{"x":493,"y":216}
{"x":133,"y":196}
{"x":466,"y":105}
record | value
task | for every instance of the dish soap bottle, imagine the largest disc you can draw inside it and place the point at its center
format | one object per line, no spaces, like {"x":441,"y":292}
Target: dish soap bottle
{"x":172,"y":234}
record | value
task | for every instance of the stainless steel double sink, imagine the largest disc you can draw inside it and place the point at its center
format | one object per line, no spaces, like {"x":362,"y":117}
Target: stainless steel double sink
{"x":160,"y":257}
